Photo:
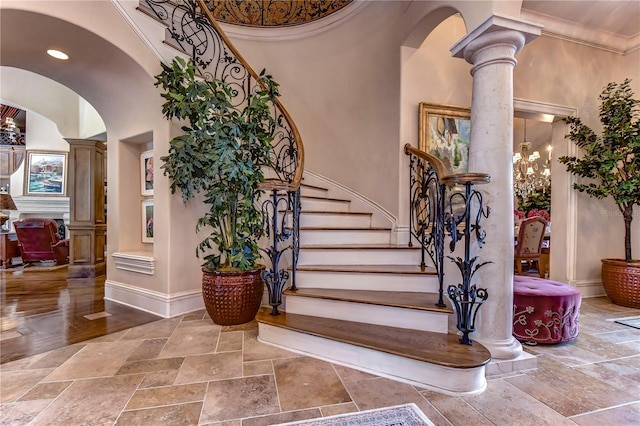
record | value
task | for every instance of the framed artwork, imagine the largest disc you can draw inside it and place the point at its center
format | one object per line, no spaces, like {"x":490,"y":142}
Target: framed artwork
{"x":45,"y":173}
{"x":445,"y":132}
{"x":147,"y":221}
{"x":146,"y":173}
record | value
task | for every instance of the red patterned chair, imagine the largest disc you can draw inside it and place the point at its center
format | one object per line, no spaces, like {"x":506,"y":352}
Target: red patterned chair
{"x":529,"y":247}
{"x":38,"y":239}
{"x":545,"y":311}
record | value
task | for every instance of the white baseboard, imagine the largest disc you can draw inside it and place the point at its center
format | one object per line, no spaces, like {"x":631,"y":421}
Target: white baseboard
{"x":164,"y":305}
{"x":589,"y":288}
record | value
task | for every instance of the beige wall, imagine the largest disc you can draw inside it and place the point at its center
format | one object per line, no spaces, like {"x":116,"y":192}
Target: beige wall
{"x":353,"y":91}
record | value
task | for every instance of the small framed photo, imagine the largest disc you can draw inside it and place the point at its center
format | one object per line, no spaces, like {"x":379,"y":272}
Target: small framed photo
{"x":45,"y":173}
{"x":445,"y":132}
{"x":146,"y":173}
{"x":147,"y":221}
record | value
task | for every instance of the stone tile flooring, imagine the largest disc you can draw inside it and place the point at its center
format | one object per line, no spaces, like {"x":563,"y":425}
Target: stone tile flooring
{"x":188,"y":371}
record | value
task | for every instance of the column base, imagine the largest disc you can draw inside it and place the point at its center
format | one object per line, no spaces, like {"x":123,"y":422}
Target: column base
{"x":501,"y":349}
{"x":86,"y":271}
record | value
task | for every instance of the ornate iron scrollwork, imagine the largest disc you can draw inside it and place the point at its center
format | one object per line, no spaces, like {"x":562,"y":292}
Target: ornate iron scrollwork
{"x":465,"y":297}
{"x":437,"y":210}
{"x":427,"y":216}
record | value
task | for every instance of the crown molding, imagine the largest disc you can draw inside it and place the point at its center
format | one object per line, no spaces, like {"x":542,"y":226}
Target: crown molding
{"x":580,"y":34}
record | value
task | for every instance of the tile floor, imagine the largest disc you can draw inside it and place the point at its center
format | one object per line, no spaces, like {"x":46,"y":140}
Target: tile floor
{"x":188,"y":371}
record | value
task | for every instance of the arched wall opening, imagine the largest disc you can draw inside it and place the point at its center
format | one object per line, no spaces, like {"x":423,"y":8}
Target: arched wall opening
{"x":118,"y":83}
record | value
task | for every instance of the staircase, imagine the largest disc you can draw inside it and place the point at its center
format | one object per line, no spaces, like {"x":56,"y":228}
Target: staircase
{"x":364,"y":302}
{"x":361,"y":300}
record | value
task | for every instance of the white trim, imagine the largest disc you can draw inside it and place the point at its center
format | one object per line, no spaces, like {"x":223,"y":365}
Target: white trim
{"x":378,"y":210}
{"x":161,"y":304}
{"x":580,"y":34}
{"x":135,"y":25}
{"x":541,"y":110}
{"x":589,"y":288}
{"x":553,"y":113}
{"x":294,"y":32}
{"x":138,"y":262}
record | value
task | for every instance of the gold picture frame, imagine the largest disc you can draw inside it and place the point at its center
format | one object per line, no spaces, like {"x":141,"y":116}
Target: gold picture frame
{"x":45,"y":173}
{"x":445,"y":132}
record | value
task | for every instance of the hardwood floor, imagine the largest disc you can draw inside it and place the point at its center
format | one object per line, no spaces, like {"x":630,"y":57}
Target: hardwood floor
{"x":41,"y":310}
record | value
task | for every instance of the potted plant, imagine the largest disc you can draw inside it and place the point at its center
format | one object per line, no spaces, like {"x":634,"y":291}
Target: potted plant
{"x":220,"y":155}
{"x":612,"y":163}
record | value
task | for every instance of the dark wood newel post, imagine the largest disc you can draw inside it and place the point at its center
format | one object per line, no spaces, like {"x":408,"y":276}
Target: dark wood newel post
{"x":87,"y":221}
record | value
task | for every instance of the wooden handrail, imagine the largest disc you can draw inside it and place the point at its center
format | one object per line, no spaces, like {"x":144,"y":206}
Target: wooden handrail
{"x":445,"y":177}
{"x":437,"y":164}
{"x":297,"y":177}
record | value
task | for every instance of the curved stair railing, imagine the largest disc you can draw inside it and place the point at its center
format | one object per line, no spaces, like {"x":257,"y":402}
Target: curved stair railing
{"x":193,"y":28}
{"x":437,"y":210}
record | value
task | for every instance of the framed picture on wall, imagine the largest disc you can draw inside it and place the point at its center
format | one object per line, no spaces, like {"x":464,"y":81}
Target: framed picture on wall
{"x":445,"y":132}
{"x":45,"y":173}
{"x":147,"y":221}
{"x":146,"y":173}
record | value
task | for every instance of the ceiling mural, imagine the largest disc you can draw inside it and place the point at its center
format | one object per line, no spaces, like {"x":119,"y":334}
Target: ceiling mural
{"x":273,"y":13}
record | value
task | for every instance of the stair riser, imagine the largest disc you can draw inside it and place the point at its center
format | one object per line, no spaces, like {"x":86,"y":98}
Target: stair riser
{"x":367,"y":281}
{"x":315,"y":220}
{"x":324,"y":205}
{"x":338,"y":256}
{"x":334,"y":236}
{"x":413,"y":319}
{"x":451,"y":381}
{"x":313,"y":192}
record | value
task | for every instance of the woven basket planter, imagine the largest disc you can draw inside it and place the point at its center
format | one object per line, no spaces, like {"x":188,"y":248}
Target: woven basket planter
{"x":621,"y":281}
{"x":232,"y":297}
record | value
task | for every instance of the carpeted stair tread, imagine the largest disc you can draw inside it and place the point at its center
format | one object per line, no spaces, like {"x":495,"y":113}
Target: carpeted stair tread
{"x":398,"y":299}
{"x":435,"y":348}
{"x":371,"y":269}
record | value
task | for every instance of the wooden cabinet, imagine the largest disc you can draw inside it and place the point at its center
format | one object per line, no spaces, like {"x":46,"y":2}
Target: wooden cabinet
{"x":11,"y":156}
{"x":8,"y":248}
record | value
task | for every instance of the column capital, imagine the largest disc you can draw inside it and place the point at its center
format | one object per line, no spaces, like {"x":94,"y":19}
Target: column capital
{"x":496,"y":30}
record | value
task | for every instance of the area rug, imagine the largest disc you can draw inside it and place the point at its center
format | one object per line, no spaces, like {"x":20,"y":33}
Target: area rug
{"x":631,"y":321}
{"x":399,"y":415}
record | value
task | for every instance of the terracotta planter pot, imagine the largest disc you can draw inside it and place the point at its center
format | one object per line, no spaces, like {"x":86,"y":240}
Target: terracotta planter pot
{"x":232,"y":297}
{"x":621,"y":281}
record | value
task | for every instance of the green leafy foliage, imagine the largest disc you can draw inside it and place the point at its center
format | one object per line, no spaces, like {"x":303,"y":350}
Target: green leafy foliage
{"x":540,"y":199}
{"x":612,"y":160}
{"x":220,"y":155}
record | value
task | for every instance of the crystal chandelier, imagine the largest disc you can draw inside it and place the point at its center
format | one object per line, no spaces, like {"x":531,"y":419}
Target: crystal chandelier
{"x":527,"y":178}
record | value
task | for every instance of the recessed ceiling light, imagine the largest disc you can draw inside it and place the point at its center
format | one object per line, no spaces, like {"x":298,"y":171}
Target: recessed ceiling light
{"x":58,"y":54}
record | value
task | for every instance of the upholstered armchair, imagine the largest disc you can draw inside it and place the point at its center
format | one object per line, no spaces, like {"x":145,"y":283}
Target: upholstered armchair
{"x":529,"y":245}
{"x":38,"y":239}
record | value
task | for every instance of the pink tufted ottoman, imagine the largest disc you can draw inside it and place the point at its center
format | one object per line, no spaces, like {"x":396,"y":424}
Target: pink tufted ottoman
{"x":545,"y":311}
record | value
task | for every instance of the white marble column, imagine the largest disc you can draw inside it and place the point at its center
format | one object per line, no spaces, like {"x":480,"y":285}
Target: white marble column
{"x":491,"y":49}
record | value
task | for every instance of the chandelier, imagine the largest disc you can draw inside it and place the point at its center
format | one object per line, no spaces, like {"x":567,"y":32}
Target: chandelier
{"x":527,"y":178}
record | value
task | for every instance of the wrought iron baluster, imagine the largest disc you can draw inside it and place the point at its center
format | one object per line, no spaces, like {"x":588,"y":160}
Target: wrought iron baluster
{"x":426,"y":221}
{"x":466,"y":298}
{"x":275,"y":226}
